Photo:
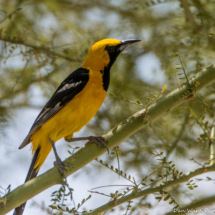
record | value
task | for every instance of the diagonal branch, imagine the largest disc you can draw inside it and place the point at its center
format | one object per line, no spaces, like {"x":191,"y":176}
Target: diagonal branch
{"x":158,"y":188}
{"x":178,"y":138}
{"x":196,"y":204}
{"x":189,"y":15}
{"x":37,"y":48}
{"x":115,"y":137}
{"x":34,"y":80}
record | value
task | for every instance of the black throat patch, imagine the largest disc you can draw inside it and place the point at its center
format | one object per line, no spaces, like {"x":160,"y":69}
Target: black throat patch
{"x":113,"y":54}
{"x":106,"y":77}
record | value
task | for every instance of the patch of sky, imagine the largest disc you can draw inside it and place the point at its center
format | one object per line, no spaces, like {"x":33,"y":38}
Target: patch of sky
{"x":149,"y":69}
{"x":163,"y":8}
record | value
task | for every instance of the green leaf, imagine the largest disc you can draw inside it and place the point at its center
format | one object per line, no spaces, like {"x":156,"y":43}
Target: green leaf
{"x":111,"y":94}
{"x":203,"y":135}
{"x":211,"y":35}
{"x":53,"y":206}
{"x":121,"y":96}
{"x":164,"y":88}
{"x":166,"y":198}
{"x":59,"y":207}
{"x":172,"y":201}
{"x":138,"y":102}
{"x":174,"y":55}
{"x":55,"y":200}
{"x":88,"y":197}
{"x":69,"y":152}
{"x":112,"y":195}
{"x":158,"y":198}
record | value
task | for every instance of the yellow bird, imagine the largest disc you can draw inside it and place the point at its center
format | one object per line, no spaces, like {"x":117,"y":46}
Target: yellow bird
{"x":73,"y":105}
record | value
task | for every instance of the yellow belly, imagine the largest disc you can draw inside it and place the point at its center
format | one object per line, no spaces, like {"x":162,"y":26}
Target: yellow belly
{"x":71,"y":118}
{"x":77,"y":113}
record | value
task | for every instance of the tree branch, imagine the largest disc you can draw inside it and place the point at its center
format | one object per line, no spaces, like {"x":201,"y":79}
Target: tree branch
{"x":9,"y":95}
{"x":196,"y":204}
{"x":37,"y":48}
{"x":178,"y":138}
{"x":115,"y":137}
{"x":189,"y":15}
{"x":158,"y":188}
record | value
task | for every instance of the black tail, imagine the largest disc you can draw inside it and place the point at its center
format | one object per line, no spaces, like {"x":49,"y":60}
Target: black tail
{"x":32,"y":173}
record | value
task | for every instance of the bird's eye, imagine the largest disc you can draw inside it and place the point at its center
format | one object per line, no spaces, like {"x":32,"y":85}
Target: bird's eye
{"x":111,"y":49}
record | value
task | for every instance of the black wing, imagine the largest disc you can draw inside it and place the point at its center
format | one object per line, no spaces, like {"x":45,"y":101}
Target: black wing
{"x":67,"y":90}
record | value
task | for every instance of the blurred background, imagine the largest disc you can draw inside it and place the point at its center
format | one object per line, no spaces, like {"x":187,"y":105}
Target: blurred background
{"x":43,"y":41}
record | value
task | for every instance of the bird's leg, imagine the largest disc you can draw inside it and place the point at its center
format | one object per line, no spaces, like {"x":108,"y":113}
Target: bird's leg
{"x":99,"y":141}
{"x":58,"y":161}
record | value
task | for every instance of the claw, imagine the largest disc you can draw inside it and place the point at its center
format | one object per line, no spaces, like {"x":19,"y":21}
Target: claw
{"x":63,"y":164}
{"x":99,"y":141}
{"x":60,"y":165}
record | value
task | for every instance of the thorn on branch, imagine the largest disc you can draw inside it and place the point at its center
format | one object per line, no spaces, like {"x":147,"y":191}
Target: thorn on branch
{"x":143,"y":115}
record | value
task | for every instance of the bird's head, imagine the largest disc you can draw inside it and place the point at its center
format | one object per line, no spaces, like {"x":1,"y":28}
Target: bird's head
{"x":104,"y":52}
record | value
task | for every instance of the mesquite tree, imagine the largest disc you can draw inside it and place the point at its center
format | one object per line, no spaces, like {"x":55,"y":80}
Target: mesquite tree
{"x":158,"y":114}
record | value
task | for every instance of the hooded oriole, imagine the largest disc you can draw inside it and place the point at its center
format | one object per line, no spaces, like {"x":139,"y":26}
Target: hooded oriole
{"x":73,"y":104}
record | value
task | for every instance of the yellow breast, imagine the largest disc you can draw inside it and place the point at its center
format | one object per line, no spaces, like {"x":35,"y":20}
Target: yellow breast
{"x":79,"y":111}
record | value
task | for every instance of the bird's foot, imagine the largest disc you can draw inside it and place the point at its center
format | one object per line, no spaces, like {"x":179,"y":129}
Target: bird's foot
{"x":99,"y":141}
{"x":60,"y":165}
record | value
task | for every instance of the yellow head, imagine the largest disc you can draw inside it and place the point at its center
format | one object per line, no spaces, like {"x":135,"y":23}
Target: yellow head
{"x":104,"y":52}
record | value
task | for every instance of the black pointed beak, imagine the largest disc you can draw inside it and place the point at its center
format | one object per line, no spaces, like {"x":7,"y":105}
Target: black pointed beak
{"x":125,"y":43}
{"x":129,"y":41}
